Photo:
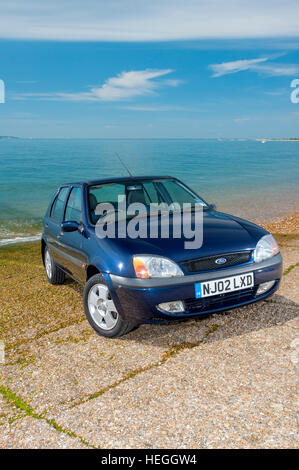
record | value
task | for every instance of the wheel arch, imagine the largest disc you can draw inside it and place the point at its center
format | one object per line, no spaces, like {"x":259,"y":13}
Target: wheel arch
{"x":91,"y":270}
{"x":43,"y":248}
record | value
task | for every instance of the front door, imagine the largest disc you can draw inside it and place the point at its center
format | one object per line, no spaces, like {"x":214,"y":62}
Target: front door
{"x":53,"y":226}
{"x":71,"y":242}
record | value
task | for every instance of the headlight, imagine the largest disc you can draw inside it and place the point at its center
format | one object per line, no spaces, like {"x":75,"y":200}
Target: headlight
{"x":265,"y":248}
{"x":155,"y":266}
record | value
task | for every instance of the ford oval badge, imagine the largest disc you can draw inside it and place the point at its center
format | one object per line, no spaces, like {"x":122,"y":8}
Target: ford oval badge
{"x":220,"y":260}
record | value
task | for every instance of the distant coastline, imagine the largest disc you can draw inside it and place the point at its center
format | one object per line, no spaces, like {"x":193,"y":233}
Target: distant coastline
{"x":292,"y":139}
{"x":219,"y":139}
{"x":8,"y":137}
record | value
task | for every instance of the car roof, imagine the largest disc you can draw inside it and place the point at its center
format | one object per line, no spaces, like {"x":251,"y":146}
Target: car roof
{"x":117,"y":180}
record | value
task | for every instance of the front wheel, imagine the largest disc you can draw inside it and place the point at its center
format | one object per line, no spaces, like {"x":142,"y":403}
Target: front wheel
{"x":100,"y":310}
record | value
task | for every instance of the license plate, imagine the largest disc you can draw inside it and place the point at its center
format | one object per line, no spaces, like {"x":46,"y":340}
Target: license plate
{"x":222,"y":286}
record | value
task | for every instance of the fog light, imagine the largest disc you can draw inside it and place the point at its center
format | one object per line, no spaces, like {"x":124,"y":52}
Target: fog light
{"x":264,"y":287}
{"x":172,"y":307}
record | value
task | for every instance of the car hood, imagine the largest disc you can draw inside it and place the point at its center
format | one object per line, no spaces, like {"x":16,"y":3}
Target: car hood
{"x":222,"y":233}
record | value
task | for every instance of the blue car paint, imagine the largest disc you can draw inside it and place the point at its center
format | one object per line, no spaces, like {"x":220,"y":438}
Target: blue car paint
{"x":198,"y":292}
{"x":79,"y":252}
{"x":141,"y":303}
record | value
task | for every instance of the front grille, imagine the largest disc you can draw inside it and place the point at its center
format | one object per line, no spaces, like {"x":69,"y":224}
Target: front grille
{"x":220,"y":301}
{"x":209,"y":262}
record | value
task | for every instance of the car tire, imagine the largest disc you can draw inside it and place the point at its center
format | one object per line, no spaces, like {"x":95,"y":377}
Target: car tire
{"x":100,"y":310}
{"x":54,"y":274}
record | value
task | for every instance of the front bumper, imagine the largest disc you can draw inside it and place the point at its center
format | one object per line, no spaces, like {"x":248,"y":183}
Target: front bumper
{"x":137,"y":299}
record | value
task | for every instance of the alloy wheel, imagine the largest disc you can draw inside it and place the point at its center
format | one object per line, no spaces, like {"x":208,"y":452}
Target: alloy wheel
{"x":101,"y":307}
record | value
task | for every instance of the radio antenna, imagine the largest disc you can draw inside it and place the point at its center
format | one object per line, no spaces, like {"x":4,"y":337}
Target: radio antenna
{"x":125,"y":166}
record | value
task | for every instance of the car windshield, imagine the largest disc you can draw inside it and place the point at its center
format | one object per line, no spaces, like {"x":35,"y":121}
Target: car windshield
{"x":156,"y":191}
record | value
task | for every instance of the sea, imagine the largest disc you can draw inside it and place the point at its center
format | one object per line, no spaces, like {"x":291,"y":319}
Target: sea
{"x":254,"y":180}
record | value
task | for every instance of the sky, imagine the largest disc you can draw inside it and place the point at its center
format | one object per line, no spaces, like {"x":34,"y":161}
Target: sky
{"x":139,"y":69}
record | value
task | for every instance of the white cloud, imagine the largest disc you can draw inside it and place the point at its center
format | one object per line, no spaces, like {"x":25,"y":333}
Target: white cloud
{"x":241,"y":119}
{"x":278,"y":69}
{"x":276,"y":92}
{"x":226,"y":68}
{"x":141,"y":20}
{"x":124,"y":86}
{"x":146,"y":108}
{"x":159,"y":108}
{"x":129,"y":84}
{"x":255,"y":65}
{"x":55,"y":96}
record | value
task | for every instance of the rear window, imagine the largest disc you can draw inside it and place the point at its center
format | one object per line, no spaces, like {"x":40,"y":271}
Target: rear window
{"x":58,"y":205}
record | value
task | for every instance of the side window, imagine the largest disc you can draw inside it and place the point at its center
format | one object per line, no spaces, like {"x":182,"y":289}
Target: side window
{"x":151,"y":192}
{"x":73,"y":207}
{"x":57,"y":208}
{"x":104,"y":193}
{"x":107,"y":192}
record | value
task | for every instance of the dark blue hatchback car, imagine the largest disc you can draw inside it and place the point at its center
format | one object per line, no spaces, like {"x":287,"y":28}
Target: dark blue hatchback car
{"x":132,"y":279}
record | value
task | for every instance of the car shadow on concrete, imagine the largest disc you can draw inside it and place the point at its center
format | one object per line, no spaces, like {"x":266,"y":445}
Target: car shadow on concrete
{"x":261,"y":315}
{"x":239,"y":321}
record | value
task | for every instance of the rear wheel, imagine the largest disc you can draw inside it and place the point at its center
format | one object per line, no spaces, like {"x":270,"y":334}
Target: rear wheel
{"x":100,"y":309}
{"x":54,"y":274}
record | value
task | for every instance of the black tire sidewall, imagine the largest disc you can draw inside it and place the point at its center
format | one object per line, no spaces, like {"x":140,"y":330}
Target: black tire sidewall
{"x":50,"y":279}
{"x":57,"y":275}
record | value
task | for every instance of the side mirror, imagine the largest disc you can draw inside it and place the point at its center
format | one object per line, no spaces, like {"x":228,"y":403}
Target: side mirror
{"x":70,"y":226}
{"x":213,"y":207}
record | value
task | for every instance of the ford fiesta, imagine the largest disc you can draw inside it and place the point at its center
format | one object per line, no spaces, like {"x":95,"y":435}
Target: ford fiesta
{"x":152,"y":279}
